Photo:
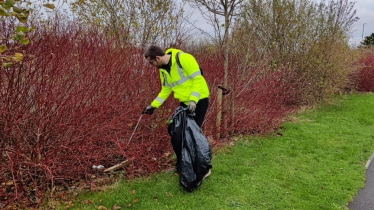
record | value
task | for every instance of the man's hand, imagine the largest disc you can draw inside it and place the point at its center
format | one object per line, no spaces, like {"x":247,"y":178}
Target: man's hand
{"x":148,"y":110}
{"x":192,"y":106}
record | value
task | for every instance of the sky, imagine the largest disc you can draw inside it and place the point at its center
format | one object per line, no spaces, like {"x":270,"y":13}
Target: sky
{"x":363,"y":27}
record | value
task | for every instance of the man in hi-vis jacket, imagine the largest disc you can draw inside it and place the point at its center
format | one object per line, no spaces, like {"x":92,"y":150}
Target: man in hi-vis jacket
{"x":179,"y":73}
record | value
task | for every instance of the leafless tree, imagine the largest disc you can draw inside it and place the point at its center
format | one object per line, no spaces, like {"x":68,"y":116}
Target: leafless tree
{"x":136,"y":22}
{"x":213,"y":11}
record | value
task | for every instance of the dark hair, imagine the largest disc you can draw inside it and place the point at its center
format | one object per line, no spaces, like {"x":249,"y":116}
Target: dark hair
{"x":153,"y":51}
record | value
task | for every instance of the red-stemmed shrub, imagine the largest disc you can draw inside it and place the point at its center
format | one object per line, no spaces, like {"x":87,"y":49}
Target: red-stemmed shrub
{"x":71,"y":104}
{"x":363,"y":78}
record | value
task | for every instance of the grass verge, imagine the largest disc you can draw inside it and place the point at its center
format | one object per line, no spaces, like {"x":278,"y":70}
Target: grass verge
{"x":316,"y":161}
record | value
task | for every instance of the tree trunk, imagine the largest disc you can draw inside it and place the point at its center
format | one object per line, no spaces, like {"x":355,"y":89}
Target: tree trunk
{"x":226,"y":100}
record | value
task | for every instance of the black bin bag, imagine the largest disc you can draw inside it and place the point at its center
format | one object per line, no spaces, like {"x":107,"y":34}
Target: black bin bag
{"x":191,"y":147}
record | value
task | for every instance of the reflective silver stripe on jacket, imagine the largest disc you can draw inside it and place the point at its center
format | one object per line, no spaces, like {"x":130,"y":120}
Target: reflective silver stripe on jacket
{"x":160,"y":100}
{"x":180,"y":70}
{"x":195,"y":74}
{"x":196,"y":94}
{"x":165,"y":80}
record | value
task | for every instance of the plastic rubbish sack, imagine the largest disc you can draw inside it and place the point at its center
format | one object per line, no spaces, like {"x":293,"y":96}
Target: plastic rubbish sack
{"x":191,"y":147}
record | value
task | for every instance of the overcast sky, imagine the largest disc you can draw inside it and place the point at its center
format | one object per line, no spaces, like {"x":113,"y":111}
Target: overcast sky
{"x":364,"y":11}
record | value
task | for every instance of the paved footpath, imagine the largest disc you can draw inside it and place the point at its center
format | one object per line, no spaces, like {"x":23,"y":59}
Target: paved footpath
{"x":365,"y":197}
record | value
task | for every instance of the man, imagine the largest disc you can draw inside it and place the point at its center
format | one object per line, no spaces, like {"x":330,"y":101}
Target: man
{"x":179,"y":73}
{"x":184,"y":78}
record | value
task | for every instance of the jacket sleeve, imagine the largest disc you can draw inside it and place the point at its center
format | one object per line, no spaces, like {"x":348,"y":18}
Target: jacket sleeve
{"x":164,"y":93}
{"x":192,"y":69}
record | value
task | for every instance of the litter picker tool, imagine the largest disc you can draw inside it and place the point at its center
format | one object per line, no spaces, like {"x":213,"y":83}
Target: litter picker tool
{"x":135,"y":129}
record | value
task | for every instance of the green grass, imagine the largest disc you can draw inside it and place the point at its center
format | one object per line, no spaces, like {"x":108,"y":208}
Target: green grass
{"x":317,"y":163}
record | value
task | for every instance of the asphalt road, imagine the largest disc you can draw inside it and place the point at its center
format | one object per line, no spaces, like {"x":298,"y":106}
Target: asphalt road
{"x":365,"y":197}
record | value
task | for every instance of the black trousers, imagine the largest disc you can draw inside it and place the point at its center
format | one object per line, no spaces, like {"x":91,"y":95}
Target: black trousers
{"x":201,"y":109}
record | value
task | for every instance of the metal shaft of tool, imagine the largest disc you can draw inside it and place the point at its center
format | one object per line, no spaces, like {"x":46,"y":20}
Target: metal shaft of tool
{"x":134,"y":129}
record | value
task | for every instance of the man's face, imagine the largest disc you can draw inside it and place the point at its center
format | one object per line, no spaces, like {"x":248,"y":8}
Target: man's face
{"x":155,"y":62}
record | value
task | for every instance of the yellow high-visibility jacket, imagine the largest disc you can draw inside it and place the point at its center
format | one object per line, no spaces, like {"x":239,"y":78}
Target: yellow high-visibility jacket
{"x":187,"y":83}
